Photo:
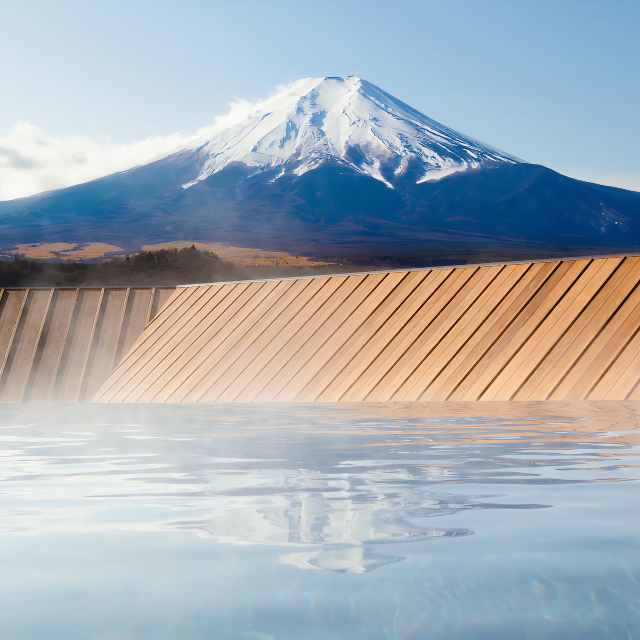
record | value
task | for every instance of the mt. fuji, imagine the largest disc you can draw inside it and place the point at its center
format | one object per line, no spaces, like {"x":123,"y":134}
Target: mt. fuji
{"x":339,"y":169}
{"x":347,"y":120}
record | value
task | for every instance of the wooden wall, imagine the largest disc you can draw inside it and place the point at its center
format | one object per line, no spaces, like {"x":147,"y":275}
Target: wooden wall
{"x":60,"y":345}
{"x":565,"y":330}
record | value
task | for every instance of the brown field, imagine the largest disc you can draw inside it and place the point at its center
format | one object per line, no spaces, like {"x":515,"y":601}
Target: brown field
{"x":242,"y":256}
{"x":65,"y":250}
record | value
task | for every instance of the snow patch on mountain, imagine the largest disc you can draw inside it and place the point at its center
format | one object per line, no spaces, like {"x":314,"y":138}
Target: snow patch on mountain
{"x":347,"y":120}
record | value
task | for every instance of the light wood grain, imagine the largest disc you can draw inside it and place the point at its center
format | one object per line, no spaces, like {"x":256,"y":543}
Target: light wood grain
{"x":63,"y":303}
{"x":276,"y":331}
{"x":19,"y":362}
{"x":306,"y":343}
{"x":425,"y":354}
{"x":542,"y":339}
{"x":140,"y":366}
{"x":76,"y":351}
{"x":269,"y":381}
{"x":333,"y":333}
{"x":383,"y":348}
{"x":174,"y":350}
{"x":232,"y":342}
{"x":481,"y":312}
{"x":562,"y":357}
{"x":598,"y":357}
{"x":379,"y":306}
{"x":629,"y":379}
{"x":525,"y":331}
{"x":518,"y":332}
{"x":160,"y":298}
{"x":175,"y":309}
{"x":242,"y":346}
{"x":406,"y":346}
{"x":469,"y":365}
{"x":13,"y":303}
{"x":135,"y":320}
{"x":622,"y":375}
{"x":198,"y":354}
{"x":276,"y":354}
{"x":345,"y":370}
{"x":635,"y":393}
{"x":102,"y":357}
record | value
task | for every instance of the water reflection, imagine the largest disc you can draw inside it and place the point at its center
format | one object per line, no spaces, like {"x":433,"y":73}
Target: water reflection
{"x":328,"y":482}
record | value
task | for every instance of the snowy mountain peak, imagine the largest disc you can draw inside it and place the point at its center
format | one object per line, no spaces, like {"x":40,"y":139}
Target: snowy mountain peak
{"x":345,"y":120}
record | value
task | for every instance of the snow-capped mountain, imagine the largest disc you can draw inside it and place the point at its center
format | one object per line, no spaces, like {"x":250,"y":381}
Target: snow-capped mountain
{"x":347,"y":120}
{"x":337,"y":168}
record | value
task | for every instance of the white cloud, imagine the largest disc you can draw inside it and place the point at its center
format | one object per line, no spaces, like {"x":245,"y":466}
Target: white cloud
{"x":31,"y":161}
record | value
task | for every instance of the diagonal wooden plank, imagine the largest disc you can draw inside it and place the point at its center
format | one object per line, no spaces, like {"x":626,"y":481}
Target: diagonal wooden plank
{"x":176,"y":298}
{"x":519,"y":330}
{"x":598,"y":357}
{"x":160,"y":299}
{"x":202,"y":318}
{"x":349,"y":296}
{"x":529,"y":329}
{"x":222,"y":353}
{"x":623,"y":374}
{"x":410,"y":367}
{"x":53,"y":341}
{"x":629,"y":379}
{"x":467,"y":366}
{"x":350,"y":362}
{"x":567,"y":351}
{"x":160,"y":339}
{"x":281,"y":322}
{"x":431,"y":297}
{"x":269,"y":381}
{"x":419,"y":309}
{"x":480,"y":313}
{"x":102,"y":357}
{"x":378,"y":307}
{"x":198,"y":353}
{"x":135,"y":320}
{"x":635,"y":393}
{"x":325,"y":341}
{"x":175,"y":308}
{"x":23,"y":350}
{"x":223,"y":367}
{"x":171,"y":354}
{"x":74,"y":357}
{"x":13,"y":303}
{"x":542,"y":339}
{"x":408,"y":344}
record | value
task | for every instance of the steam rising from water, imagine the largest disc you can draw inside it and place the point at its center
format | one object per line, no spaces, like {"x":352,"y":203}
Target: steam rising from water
{"x":482,"y":521}
{"x":327,"y":482}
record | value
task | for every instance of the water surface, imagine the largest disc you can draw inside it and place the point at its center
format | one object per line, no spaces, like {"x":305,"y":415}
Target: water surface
{"x":413,"y":521}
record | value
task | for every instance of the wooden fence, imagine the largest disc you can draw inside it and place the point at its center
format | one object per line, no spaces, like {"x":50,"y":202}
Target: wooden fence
{"x":60,"y":345}
{"x":564,"y":330}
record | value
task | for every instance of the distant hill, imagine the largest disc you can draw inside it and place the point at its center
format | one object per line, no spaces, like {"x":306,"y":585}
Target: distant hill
{"x":152,"y":268}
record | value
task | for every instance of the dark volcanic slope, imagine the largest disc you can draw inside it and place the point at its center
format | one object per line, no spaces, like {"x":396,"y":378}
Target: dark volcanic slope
{"x":335,"y":211}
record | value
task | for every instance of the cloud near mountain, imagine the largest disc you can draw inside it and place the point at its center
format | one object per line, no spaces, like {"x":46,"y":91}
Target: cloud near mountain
{"x":32,"y":161}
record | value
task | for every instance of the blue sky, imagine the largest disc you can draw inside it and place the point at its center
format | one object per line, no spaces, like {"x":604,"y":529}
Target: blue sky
{"x":102,"y":83}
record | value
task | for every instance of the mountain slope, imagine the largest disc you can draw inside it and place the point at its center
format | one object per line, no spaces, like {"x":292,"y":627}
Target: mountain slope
{"x":338,"y":168}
